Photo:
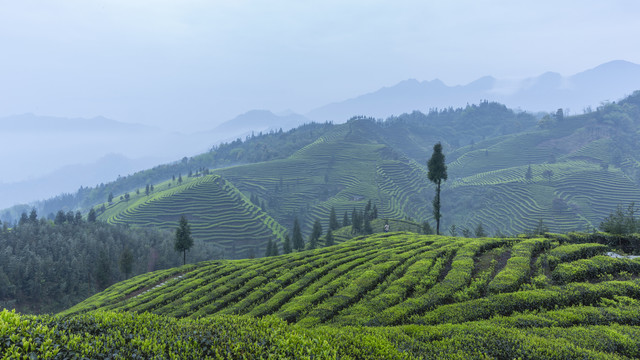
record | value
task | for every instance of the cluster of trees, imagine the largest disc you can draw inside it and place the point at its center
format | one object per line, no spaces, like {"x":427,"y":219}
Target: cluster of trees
{"x":360,"y":222}
{"x":622,"y":222}
{"x":47,"y":266}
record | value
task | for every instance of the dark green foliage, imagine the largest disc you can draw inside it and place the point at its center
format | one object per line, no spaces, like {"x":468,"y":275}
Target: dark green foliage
{"x":183,"y":240}
{"x":333,"y":220}
{"x":269,"y":251}
{"x":437,"y":173}
{"x":345,"y":220}
{"x":620,"y":222}
{"x":286,"y":246}
{"x":316,"y":232}
{"x":60,"y":218}
{"x":426,"y":228}
{"x":479,"y":231}
{"x":297,"y":241}
{"x":91,"y":217}
{"x":328,"y":239}
{"x":367,"y":229}
{"x":103,"y":270}
{"x":46,"y":267}
{"x":126,"y":262}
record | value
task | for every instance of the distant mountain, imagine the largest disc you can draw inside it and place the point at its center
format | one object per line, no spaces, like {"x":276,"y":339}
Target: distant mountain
{"x":257,"y":121}
{"x":39,"y":124}
{"x":69,"y":178}
{"x":547,"y":92}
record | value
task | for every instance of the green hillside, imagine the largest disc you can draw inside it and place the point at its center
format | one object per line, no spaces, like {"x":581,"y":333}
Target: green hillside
{"x":217,"y":212}
{"x":581,"y":168}
{"x":395,"y":295}
{"x":386,"y":279}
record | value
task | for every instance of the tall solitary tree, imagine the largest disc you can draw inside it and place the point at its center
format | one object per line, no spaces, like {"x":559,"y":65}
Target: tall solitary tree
{"x":184,"y":241}
{"x":437,"y":173}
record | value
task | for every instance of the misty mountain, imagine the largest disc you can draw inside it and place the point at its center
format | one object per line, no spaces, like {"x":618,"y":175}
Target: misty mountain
{"x":68,"y":179}
{"x":30,"y":123}
{"x":257,"y":121}
{"x":546,"y":92}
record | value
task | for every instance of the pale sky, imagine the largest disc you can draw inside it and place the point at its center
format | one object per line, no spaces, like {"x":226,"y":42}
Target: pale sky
{"x":190,"y":64}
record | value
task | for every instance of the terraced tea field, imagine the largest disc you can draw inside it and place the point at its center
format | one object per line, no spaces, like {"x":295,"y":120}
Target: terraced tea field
{"x":387,"y":296}
{"x":385,"y":279}
{"x":217,"y":212}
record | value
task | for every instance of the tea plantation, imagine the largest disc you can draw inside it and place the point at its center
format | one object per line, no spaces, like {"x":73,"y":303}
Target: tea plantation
{"x":386,"y":296}
{"x":218,"y":214}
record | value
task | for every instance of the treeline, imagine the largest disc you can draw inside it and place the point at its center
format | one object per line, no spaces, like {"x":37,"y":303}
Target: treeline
{"x":47,"y":266}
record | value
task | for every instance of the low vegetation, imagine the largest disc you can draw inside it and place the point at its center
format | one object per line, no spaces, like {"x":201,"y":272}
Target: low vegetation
{"x":390,"y":295}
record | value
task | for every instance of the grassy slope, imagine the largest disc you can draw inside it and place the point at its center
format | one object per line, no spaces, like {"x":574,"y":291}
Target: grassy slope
{"x":416,"y":296}
{"x":217,"y":212}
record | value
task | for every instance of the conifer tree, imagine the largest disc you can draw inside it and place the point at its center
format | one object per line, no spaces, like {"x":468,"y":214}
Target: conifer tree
{"x":528,"y":175}
{"x":345,"y":219}
{"x":183,"y":240}
{"x":91,"y":217}
{"x":298,"y":242}
{"x":328,"y":239}
{"x":316,"y":232}
{"x":426,"y":228}
{"x":437,"y":173}
{"x":333,"y":220}
{"x":286,"y":246}
{"x":367,"y":226}
{"x":269,"y":251}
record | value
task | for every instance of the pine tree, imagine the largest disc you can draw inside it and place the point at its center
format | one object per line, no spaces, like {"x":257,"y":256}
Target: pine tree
{"x":479,"y":231}
{"x":345,"y":220}
{"x":316,"y":232}
{"x":269,"y":251}
{"x":183,"y":240}
{"x":286,"y":246}
{"x":298,"y":242}
{"x":328,"y":239}
{"x":33,"y":216}
{"x":92,"y":215}
{"x":528,"y":175}
{"x":437,"y":173}
{"x":367,"y":226}
{"x":426,"y":228}
{"x":333,"y":220}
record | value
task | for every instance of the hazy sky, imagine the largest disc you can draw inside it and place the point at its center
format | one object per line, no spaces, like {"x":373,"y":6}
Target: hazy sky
{"x":180,"y":62}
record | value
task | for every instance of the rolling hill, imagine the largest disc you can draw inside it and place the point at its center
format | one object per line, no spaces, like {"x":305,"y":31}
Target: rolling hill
{"x":394,"y":295}
{"x":507,"y":171}
{"x":217,"y":212}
